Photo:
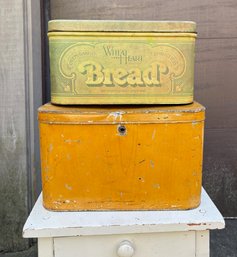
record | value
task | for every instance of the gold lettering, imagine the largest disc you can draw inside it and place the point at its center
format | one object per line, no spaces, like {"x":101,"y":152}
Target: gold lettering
{"x":151,"y":76}
{"x":108,"y":77}
{"x":94,"y":74}
{"x":119,"y":76}
{"x":134,"y":77}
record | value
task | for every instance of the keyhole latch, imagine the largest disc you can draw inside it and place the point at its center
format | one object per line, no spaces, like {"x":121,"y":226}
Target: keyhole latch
{"x":122,"y":130}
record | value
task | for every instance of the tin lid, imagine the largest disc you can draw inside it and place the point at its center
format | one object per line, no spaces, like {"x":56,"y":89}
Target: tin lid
{"x":121,"y":26}
{"x":53,"y":114}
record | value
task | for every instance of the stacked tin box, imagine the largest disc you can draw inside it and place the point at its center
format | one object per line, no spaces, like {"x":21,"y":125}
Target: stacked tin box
{"x":122,"y":132}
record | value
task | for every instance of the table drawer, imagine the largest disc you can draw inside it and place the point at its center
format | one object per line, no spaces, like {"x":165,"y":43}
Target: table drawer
{"x":175,"y":244}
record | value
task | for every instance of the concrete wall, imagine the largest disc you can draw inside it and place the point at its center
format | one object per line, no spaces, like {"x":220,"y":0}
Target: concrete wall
{"x":20,"y":94}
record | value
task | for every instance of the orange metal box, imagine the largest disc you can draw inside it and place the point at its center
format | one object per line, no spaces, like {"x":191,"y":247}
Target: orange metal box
{"x":121,"y":158}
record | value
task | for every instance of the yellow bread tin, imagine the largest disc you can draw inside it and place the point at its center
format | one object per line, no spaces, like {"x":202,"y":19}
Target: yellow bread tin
{"x":121,"y":62}
{"x":121,"y":158}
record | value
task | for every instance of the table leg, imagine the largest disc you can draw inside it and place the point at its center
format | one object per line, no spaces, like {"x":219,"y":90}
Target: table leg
{"x":45,"y":247}
{"x":202,"y":243}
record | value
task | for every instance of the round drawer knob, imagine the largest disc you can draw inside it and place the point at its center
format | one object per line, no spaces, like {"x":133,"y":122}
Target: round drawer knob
{"x":125,"y":249}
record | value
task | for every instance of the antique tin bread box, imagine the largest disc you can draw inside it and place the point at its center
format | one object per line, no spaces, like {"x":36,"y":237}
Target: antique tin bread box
{"x":144,"y":158}
{"x":121,"y":62}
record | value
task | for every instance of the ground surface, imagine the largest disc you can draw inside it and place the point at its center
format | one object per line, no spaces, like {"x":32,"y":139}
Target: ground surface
{"x":32,"y":252}
{"x":224,"y":242}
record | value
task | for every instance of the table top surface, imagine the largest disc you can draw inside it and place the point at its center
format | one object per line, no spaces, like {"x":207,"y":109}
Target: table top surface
{"x":44,"y":223}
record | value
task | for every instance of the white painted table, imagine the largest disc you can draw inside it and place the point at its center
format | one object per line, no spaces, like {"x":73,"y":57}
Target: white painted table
{"x":124,"y":233}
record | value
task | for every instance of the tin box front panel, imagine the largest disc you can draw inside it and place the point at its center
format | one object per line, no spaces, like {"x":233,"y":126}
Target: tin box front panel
{"x":134,"y":167}
{"x":121,"y":68}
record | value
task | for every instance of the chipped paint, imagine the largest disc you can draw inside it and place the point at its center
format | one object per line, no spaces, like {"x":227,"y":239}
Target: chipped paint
{"x":50,"y":147}
{"x":195,"y":224}
{"x":153,"y":134}
{"x":69,"y":141}
{"x":116,"y":115}
{"x":152,"y":164}
{"x":194,"y":123}
{"x":68,"y":187}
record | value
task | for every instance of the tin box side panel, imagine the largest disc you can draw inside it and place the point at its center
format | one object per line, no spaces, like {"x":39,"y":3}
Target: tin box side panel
{"x":95,"y":167}
{"x":121,"y":68}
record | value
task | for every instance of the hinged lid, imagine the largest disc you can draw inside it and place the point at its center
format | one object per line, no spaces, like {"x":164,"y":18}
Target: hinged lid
{"x":121,"y":26}
{"x":49,"y":113}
